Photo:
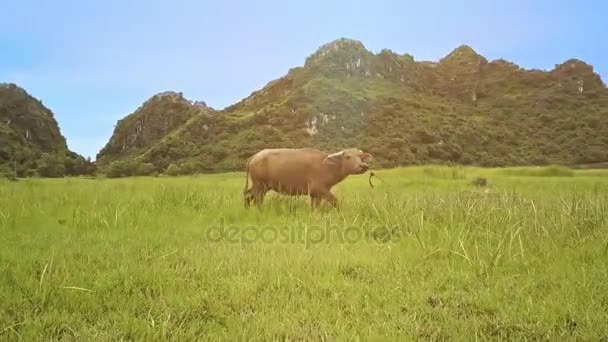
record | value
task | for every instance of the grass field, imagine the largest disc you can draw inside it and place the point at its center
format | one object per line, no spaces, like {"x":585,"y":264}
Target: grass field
{"x":424,"y":256}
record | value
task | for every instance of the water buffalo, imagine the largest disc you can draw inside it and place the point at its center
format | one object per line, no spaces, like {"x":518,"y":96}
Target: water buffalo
{"x":301,"y":171}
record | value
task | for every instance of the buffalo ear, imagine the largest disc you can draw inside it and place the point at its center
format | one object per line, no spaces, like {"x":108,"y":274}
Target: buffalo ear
{"x":367,"y":157}
{"x":333,"y":158}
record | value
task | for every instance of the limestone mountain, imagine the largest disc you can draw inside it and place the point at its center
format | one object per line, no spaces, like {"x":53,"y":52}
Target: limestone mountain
{"x":461,"y":109}
{"x":151,"y":122}
{"x":30,"y":139}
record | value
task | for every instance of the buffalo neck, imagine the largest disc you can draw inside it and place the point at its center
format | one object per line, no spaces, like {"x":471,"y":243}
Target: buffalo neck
{"x":333,"y":174}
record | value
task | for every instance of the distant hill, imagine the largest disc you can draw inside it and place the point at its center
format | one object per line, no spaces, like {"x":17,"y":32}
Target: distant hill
{"x":149,"y":124}
{"x":461,"y":109}
{"x":30,"y":140}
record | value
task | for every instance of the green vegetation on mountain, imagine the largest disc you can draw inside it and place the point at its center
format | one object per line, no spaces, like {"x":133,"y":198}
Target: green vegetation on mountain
{"x":30,"y":141}
{"x":462,"y":109}
{"x":149,"y":124}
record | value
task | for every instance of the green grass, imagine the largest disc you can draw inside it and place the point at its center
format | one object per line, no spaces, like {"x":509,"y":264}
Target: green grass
{"x":424,"y":256}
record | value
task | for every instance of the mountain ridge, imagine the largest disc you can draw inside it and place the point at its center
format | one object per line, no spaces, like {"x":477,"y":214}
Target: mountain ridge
{"x":459,"y":109}
{"x":462,"y":108}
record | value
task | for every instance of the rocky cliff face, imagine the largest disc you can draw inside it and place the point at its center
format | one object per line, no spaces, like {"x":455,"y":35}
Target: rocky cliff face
{"x":461,"y":109}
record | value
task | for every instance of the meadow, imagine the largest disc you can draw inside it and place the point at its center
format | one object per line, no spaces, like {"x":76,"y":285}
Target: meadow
{"x":425,"y":255}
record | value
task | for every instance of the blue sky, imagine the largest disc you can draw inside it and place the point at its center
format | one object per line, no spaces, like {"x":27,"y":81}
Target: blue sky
{"x":93,"y":62}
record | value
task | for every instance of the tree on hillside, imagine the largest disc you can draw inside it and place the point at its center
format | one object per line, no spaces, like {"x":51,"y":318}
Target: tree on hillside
{"x":144,"y":169}
{"x":76,"y":165}
{"x":118,"y":168}
{"x":51,"y":165}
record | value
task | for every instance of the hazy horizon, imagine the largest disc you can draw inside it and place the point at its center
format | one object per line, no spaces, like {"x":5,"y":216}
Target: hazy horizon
{"x":93,"y":64}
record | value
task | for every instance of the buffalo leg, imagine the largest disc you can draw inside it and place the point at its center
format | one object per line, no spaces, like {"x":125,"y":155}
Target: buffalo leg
{"x":248,"y":198}
{"x":330,"y":198}
{"x":315,"y":200}
{"x":258,"y":195}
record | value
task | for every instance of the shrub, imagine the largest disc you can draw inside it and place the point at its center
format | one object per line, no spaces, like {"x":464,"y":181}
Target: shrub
{"x":190,"y":167}
{"x":556,"y":171}
{"x":7,"y":174}
{"x":480,"y":181}
{"x":546,"y":171}
{"x":31,"y":173}
{"x":172,"y":170}
{"x":144,"y":169}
